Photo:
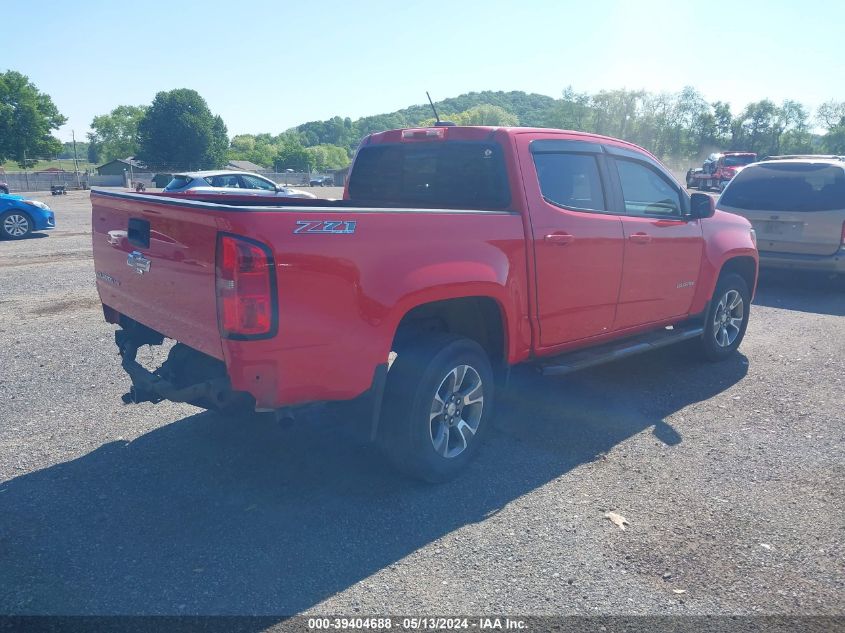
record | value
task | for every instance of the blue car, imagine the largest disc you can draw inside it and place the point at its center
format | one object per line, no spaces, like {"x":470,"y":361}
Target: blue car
{"x":19,"y":217}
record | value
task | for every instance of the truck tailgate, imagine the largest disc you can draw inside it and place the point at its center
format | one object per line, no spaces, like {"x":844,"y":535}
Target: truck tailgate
{"x":155,"y":263}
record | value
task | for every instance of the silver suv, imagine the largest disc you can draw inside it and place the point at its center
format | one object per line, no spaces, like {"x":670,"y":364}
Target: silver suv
{"x":797,"y":207}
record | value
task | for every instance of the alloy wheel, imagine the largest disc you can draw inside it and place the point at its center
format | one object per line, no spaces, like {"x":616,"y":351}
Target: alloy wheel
{"x":727,"y":318}
{"x":456,"y":411}
{"x":15,"y":225}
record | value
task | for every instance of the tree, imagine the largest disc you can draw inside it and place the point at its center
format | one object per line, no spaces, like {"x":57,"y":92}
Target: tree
{"x":27,"y":117}
{"x":178,"y":131}
{"x":724,"y":119}
{"x":325,"y":157}
{"x":67,"y":151}
{"x":792,"y":129}
{"x":484,"y":114}
{"x":572,"y":112}
{"x":292,"y":155}
{"x":115,"y":134}
{"x":755,"y":128}
{"x":834,"y":140}
{"x":615,"y":111}
{"x":260,"y":149}
{"x":830,"y":114}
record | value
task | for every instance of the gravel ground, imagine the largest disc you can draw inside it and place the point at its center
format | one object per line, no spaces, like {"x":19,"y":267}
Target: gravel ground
{"x":729,"y":475}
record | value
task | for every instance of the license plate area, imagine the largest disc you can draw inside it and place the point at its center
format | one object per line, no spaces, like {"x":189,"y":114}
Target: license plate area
{"x":780,"y":229}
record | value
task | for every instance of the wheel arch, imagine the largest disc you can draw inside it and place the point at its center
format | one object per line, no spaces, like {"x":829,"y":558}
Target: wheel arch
{"x":743,"y":265}
{"x":480,"y":318}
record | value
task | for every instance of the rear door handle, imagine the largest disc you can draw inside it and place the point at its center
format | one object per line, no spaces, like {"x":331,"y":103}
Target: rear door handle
{"x":640,"y":238}
{"x":560,"y":238}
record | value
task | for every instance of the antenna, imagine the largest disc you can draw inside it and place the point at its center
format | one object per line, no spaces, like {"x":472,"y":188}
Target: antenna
{"x":436,"y":116}
{"x":438,"y":122}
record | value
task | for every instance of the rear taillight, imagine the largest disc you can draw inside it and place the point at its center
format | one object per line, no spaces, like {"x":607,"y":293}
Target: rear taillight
{"x":843,"y":234}
{"x":246,"y":289}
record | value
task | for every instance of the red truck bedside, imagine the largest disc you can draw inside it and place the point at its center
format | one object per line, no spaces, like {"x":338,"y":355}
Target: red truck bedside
{"x":455,"y":253}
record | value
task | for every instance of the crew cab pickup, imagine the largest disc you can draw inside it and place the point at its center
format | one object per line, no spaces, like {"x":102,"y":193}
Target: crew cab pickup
{"x":455,"y":253}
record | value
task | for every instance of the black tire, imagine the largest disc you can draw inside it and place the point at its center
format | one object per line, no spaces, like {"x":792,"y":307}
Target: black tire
{"x":15,"y":225}
{"x":410,"y":429}
{"x":718,"y":343}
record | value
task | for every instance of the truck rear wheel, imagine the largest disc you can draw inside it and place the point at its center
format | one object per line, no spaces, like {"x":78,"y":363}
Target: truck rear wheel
{"x":727,"y":318}
{"x":438,"y":405}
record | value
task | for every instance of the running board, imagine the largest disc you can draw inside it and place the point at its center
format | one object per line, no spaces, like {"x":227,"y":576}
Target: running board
{"x":581,"y":359}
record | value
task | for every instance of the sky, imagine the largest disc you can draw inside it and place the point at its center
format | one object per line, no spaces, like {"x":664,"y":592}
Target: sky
{"x":267,"y":66}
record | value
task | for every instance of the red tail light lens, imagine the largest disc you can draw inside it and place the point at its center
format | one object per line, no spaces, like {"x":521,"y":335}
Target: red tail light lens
{"x":246,"y":289}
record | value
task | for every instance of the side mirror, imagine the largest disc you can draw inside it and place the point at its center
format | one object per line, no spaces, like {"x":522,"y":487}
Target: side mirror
{"x":701,"y":206}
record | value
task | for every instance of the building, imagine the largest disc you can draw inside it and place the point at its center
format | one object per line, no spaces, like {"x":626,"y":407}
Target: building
{"x":243,"y":165}
{"x":118,"y":166}
{"x":339,"y":176}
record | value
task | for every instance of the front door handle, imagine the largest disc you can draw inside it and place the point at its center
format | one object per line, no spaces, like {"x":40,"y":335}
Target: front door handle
{"x":640,"y":238}
{"x":560,"y":238}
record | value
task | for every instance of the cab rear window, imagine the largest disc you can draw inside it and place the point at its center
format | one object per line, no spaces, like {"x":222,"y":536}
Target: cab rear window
{"x":447,"y":175}
{"x":787,"y":187}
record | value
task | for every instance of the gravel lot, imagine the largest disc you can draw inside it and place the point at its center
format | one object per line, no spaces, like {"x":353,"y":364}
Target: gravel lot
{"x":730,"y":475}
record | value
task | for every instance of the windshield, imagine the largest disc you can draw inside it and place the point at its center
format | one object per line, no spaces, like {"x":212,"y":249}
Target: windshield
{"x":436,"y":174}
{"x":736,"y":161}
{"x":787,"y":187}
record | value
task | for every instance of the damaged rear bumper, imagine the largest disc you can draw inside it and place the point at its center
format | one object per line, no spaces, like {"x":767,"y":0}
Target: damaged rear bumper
{"x":186,"y":376}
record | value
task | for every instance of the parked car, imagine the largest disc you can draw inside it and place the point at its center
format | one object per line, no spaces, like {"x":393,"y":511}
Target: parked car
{"x":455,"y":253}
{"x":231,"y":182}
{"x":4,"y":187}
{"x":797,"y":206}
{"x":323,"y":181}
{"x":19,"y":217}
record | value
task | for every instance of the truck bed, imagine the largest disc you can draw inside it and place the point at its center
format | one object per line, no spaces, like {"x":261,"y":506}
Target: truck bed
{"x":345,"y":274}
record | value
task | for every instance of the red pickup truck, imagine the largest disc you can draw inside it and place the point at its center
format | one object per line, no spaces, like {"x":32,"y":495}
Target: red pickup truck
{"x":455,"y":253}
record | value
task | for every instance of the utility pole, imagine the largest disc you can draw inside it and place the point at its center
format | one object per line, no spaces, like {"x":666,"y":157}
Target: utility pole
{"x":75,"y":160}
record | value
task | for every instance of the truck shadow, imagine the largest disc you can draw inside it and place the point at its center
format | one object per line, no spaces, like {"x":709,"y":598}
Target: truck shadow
{"x":802,"y":291}
{"x":218,"y":516}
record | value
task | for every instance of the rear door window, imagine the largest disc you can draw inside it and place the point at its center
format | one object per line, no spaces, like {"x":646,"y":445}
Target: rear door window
{"x":787,"y":187}
{"x":570,"y":180}
{"x":646,"y":192}
{"x":436,"y":174}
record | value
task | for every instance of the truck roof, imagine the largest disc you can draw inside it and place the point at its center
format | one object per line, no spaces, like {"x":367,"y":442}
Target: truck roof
{"x":487,"y":132}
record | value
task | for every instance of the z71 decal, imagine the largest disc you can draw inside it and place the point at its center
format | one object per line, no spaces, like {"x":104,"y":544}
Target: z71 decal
{"x":339,"y":227}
